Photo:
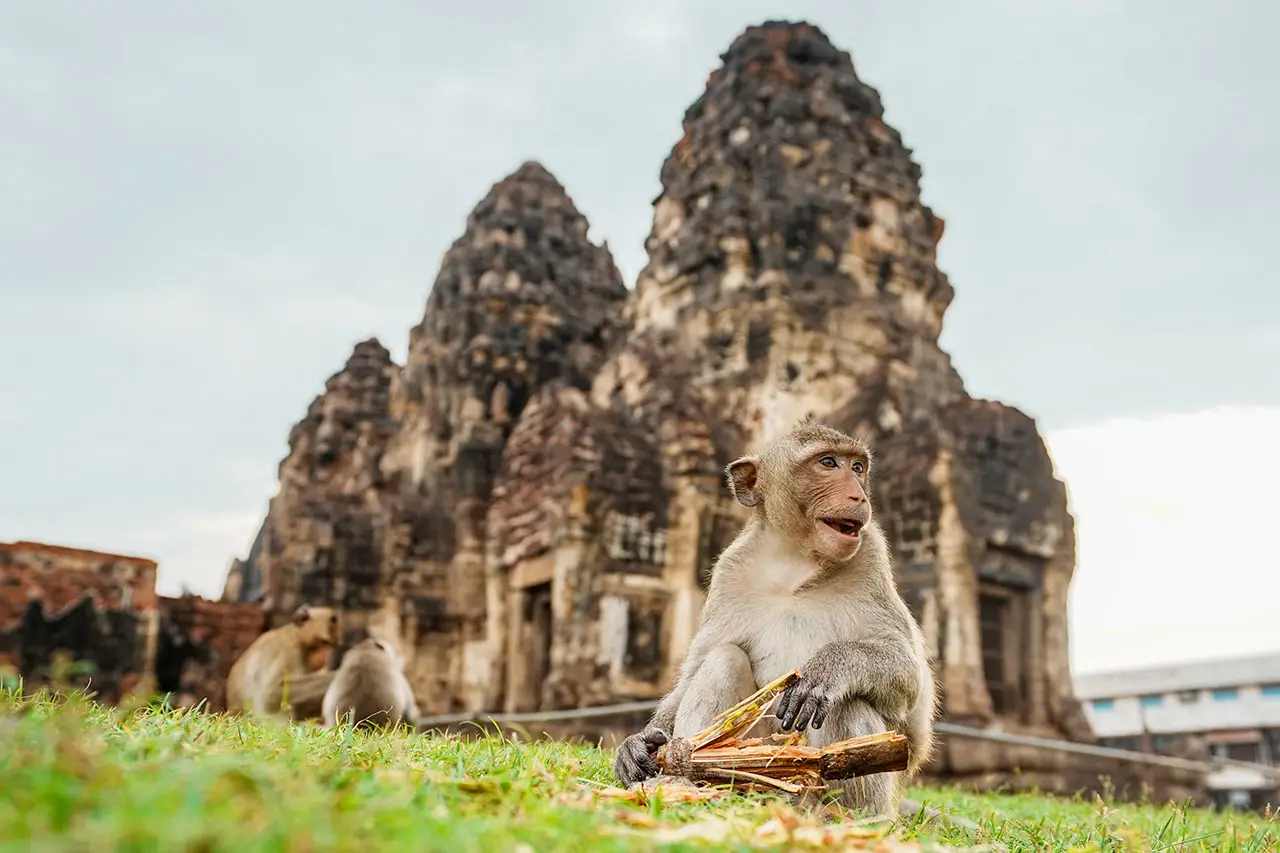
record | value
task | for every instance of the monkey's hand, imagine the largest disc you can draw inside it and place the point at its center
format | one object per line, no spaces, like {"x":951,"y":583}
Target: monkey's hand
{"x":804,"y":704}
{"x":634,"y":761}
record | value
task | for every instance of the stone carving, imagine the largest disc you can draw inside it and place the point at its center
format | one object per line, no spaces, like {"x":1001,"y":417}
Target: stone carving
{"x":199,"y":641}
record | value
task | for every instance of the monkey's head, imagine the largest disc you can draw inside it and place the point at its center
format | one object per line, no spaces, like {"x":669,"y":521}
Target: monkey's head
{"x":373,"y":645}
{"x":317,"y":626}
{"x":811,"y":485}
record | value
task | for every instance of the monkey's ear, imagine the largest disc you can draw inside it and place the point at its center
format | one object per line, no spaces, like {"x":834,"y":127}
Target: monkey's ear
{"x":301,"y":615}
{"x":744,"y":480}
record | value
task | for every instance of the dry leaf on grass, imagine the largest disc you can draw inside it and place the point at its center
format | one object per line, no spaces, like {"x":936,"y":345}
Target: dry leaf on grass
{"x":642,"y":796}
{"x":778,"y":833}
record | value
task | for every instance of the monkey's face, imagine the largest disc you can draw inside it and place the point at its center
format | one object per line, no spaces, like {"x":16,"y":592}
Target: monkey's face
{"x":831,"y":492}
{"x":318,"y":626}
{"x":811,"y":486}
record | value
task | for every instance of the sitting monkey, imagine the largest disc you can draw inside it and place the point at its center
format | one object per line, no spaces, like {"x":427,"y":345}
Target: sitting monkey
{"x":256,"y":681}
{"x":807,"y":584}
{"x":370,"y":688}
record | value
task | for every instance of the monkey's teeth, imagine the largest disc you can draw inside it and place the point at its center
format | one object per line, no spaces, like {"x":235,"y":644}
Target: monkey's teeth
{"x":846,"y":526}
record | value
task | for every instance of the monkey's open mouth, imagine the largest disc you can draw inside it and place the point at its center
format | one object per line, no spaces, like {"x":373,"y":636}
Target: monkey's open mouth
{"x":844,"y":526}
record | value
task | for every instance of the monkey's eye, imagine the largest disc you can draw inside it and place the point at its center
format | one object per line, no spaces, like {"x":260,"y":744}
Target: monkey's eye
{"x":827,"y":462}
{"x":859,"y":466}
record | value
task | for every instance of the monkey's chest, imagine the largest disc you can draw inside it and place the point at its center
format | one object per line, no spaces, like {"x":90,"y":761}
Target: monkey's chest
{"x":788,"y":632}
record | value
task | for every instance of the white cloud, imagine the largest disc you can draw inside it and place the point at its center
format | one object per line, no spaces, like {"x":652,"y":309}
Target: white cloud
{"x":196,"y":551}
{"x":192,"y":549}
{"x":1176,"y":552}
{"x":657,"y":27}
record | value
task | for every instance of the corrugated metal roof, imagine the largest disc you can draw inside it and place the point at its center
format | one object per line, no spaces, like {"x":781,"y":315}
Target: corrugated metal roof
{"x":1193,"y":675}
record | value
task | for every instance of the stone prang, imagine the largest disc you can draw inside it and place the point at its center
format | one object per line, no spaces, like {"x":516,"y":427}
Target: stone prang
{"x":791,"y":258}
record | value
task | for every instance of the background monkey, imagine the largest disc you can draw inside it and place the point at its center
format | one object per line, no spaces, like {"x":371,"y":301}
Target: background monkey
{"x":807,"y":584}
{"x":371,"y":687}
{"x":256,"y":680}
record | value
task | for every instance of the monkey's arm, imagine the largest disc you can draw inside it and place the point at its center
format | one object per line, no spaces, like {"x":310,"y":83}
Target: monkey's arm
{"x":882,"y":670}
{"x":634,"y":760}
{"x":708,"y":637}
{"x":664,"y":716}
{"x":297,"y":696}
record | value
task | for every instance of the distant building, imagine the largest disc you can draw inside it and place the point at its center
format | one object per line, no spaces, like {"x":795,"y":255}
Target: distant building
{"x":1224,"y":708}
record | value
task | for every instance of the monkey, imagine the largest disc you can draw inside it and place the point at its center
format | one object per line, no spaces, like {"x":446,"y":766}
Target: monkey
{"x":256,"y":681}
{"x":370,"y":688}
{"x":807,"y":584}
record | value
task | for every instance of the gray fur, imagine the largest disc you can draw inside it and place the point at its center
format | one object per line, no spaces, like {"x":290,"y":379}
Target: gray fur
{"x":370,"y":688}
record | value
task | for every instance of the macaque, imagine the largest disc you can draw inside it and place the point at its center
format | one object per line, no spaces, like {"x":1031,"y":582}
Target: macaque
{"x":256,"y":681}
{"x":370,"y":688}
{"x":808,"y":585}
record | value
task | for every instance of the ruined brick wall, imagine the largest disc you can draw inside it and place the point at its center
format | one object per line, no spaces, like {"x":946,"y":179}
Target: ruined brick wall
{"x":984,"y":555}
{"x":1021,"y":554}
{"x":578,"y":526}
{"x":199,"y":641}
{"x":96,"y":608}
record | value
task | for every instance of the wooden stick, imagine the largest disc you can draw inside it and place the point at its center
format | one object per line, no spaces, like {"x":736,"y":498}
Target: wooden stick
{"x":886,"y":752}
{"x":811,"y":766}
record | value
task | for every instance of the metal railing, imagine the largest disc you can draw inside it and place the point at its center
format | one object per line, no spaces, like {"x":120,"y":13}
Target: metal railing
{"x":1051,"y":744}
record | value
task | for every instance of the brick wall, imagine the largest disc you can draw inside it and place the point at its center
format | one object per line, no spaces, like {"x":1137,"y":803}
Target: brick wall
{"x":97,"y":608}
{"x":199,"y":641}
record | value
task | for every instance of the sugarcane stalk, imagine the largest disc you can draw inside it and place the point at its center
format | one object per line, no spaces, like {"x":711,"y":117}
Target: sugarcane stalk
{"x":716,"y":754}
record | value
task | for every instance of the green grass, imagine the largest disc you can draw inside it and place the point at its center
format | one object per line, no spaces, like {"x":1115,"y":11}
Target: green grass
{"x":75,"y":775}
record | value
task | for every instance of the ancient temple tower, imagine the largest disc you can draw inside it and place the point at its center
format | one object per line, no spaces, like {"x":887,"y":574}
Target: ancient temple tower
{"x":522,"y":300}
{"x":318,"y":542}
{"x":384,"y":495}
{"x":791,"y":256}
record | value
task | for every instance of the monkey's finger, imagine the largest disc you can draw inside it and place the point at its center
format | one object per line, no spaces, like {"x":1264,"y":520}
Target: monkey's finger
{"x":647,"y":766}
{"x":787,"y":707}
{"x":629,"y":769}
{"x":642,"y":759}
{"x":784,"y":718}
{"x":807,"y":710}
{"x":819,"y":716}
{"x":794,"y":708}
{"x":654,"y":738}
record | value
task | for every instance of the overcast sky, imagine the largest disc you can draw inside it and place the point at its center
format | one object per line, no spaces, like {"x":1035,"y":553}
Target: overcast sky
{"x":203,"y":208}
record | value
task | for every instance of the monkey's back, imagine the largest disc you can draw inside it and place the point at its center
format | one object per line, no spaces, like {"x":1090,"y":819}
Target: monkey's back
{"x":370,"y":689}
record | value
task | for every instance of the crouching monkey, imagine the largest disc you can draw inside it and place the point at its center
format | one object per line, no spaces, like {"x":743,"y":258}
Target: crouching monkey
{"x":256,"y":680}
{"x":808,"y":585}
{"x":370,"y":688}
